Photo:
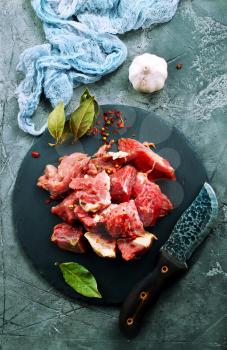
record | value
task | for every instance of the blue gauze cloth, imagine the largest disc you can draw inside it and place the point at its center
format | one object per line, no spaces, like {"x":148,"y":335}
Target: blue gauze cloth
{"x":82,"y":47}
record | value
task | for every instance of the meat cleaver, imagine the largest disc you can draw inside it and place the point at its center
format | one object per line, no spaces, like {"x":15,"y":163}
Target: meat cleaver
{"x":188,"y":233}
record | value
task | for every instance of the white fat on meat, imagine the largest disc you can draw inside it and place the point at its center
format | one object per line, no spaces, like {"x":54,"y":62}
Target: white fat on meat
{"x":117,"y":155}
{"x":145,"y":240}
{"x":105,"y":248}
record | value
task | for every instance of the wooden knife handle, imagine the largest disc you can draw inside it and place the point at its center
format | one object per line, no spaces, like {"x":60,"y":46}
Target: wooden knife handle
{"x":147,"y":292}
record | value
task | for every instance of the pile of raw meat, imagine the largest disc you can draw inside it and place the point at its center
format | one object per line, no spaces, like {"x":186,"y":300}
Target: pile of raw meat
{"x":108,"y":200}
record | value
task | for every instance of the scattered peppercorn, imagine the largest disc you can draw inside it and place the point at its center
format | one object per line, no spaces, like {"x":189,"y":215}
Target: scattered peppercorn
{"x":94,"y":131}
{"x":48,"y":201}
{"x":179,"y":66}
{"x":149,"y":144}
{"x":121,"y":125}
{"x":113,"y":120}
{"x":35,"y":154}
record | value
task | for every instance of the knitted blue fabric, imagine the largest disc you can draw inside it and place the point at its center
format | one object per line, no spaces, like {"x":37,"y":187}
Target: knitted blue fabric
{"x":82,"y":47}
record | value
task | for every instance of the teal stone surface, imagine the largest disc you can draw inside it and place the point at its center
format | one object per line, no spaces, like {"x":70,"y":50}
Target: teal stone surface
{"x":192,"y":314}
{"x":193,"y":226}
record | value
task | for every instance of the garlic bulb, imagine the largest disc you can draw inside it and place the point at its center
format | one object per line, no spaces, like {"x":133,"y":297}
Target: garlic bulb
{"x":148,"y":73}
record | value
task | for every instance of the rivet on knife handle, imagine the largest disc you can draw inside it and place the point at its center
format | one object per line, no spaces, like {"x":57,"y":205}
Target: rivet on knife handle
{"x":146,"y":293}
{"x":144,"y":296}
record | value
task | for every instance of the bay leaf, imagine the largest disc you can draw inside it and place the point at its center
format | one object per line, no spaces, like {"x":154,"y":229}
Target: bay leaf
{"x":82,"y":118}
{"x":80,"y":279}
{"x":86,"y":94}
{"x":56,"y":121}
{"x":66,"y":132}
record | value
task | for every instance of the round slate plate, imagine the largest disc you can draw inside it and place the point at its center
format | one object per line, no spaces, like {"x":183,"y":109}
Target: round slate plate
{"x":34,"y":221}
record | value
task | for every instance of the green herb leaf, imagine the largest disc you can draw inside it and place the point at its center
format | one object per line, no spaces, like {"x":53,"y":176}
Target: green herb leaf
{"x":96,"y":109}
{"x":66,"y":132}
{"x":80,"y":279}
{"x":82,"y":118}
{"x":80,"y":122}
{"x":56,"y":121}
{"x":86,"y":95}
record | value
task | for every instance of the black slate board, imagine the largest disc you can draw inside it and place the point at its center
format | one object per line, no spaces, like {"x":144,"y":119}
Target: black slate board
{"x":34,"y":221}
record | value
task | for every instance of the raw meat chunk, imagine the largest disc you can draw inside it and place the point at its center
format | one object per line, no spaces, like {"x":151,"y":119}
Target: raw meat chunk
{"x":65,"y":209}
{"x":91,"y":222}
{"x":166,"y":206}
{"x":131,"y":249}
{"x":108,"y":161}
{"x":123,"y":221}
{"x":151,"y":203}
{"x":56,"y":180}
{"x":140,"y":181}
{"x":107,"y":195}
{"x":106,"y":248}
{"x":69,"y":238}
{"x":144,"y":159}
{"x":102,"y":150}
{"x":121,"y":183}
{"x":93,"y":193}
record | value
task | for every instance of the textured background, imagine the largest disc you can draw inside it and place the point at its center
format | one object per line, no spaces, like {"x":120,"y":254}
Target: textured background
{"x":193,"y":314}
